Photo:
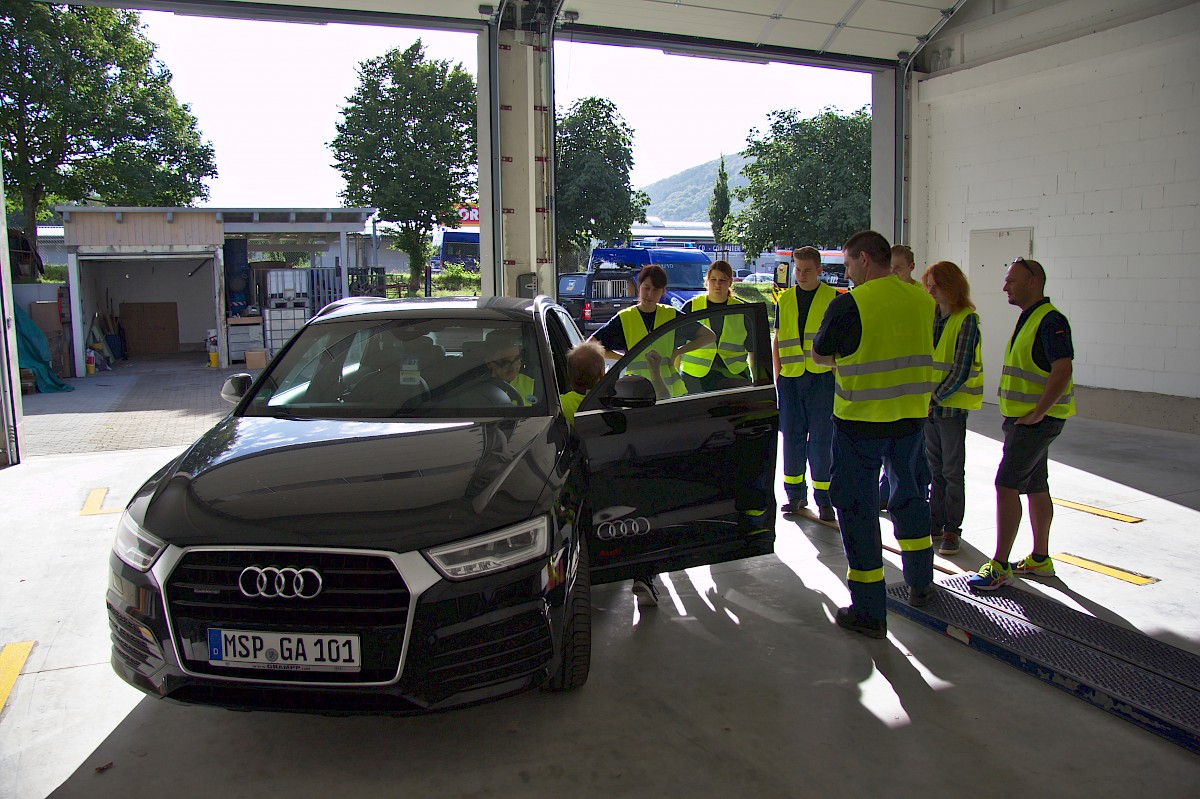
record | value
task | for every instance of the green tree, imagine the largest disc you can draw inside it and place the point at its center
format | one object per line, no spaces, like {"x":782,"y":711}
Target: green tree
{"x":809,"y":181}
{"x":718,"y":205}
{"x":87,"y":111}
{"x":406,"y":145}
{"x":593,"y":157}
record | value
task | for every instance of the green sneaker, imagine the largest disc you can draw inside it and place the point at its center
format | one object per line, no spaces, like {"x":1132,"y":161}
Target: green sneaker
{"x":1034,"y":568}
{"x":993,"y":575}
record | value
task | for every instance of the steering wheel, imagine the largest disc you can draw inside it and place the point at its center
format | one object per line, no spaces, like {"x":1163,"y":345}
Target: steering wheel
{"x":506,"y":387}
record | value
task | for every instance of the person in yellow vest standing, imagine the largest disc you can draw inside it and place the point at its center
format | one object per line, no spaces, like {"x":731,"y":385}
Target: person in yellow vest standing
{"x":1037,"y":396}
{"x":958,"y":369}
{"x":623,"y":332}
{"x":902,"y":265}
{"x":879,"y":339}
{"x":724,"y":363}
{"x":804,"y":387}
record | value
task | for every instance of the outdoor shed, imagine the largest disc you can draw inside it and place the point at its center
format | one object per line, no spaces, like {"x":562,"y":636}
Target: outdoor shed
{"x":173,"y":278}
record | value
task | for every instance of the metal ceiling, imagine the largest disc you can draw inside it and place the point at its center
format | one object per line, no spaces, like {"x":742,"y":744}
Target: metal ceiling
{"x":866,"y":32}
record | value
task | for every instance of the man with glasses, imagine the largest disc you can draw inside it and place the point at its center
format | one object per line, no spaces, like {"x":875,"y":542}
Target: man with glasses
{"x":1036,"y":399}
{"x":505,"y":360}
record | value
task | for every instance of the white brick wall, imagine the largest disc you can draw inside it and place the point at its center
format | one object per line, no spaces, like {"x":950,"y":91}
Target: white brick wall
{"x":1095,"y":144}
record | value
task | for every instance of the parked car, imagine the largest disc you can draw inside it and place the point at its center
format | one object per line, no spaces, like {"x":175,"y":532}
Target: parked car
{"x":383,"y":523}
{"x":741,"y":274}
{"x":607,"y":287}
{"x":759,"y":277}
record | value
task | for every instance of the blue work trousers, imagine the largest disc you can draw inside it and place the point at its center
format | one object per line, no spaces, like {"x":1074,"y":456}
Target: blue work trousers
{"x":855,"y":494}
{"x":806,"y":421}
{"x":924,"y":478}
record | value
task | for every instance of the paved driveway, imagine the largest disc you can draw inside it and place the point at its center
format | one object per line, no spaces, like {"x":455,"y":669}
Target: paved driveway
{"x":151,"y":402}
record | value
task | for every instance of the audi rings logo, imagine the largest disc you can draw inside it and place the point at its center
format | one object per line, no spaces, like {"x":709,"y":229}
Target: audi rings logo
{"x":273,"y":582}
{"x":623,"y":528}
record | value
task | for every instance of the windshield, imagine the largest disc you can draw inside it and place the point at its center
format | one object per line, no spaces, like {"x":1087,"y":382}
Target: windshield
{"x":685,"y":276}
{"x":373,"y":368}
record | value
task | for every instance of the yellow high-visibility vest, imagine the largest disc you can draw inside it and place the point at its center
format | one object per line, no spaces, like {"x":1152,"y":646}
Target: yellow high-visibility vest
{"x":731,"y":346}
{"x":570,"y":403}
{"x":634,"y":328}
{"x":795,"y":350}
{"x":969,"y":395}
{"x":1022,"y":382}
{"x":524,"y":385}
{"x":890,"y":376}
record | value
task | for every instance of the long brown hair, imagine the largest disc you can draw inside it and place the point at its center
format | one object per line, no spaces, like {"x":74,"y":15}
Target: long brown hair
{"x":953,"y":283}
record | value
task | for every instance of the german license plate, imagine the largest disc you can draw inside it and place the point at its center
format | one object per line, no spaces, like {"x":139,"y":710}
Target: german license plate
{"x":283,"y":651}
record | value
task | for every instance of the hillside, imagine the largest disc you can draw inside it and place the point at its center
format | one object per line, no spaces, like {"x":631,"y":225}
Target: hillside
{"x":684,"y":196}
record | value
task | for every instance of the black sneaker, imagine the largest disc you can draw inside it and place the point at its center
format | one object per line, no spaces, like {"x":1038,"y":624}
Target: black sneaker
{"x":848,"y":619}
{"x":795,"y":505}
{"x":827,"y":513}
{"x":644,"y":590}
{"x":919,"y":597}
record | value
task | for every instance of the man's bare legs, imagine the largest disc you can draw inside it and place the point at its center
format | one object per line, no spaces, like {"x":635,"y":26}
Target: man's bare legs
{"x":1008,"y":519}
{"x":1041,"y":514}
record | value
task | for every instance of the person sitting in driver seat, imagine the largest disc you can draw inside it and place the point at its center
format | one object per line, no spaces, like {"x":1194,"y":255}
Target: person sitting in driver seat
{"x":585,"y":367}
{"x":505,"y":360}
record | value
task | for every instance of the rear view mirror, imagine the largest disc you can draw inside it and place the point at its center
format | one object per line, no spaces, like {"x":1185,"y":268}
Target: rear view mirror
{"x":235,"y":387}
{"x":632,"y":391}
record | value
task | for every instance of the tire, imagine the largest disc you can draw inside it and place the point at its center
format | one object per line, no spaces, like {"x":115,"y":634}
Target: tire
{"x":576,"y":646}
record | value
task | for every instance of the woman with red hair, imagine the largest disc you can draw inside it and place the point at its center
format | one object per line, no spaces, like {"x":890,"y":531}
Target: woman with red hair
{"x":958,"y":367}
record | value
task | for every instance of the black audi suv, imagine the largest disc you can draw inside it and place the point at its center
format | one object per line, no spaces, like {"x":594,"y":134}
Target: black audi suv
{"x":397,"y":516}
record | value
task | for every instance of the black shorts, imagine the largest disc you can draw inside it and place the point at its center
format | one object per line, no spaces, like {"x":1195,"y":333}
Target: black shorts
{"x":1026,"y":450}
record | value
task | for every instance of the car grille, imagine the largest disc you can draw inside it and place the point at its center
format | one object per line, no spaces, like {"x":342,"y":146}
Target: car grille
{"x":133,"y":643}
{"x":507,"y":649}
{"x":362,"y":595}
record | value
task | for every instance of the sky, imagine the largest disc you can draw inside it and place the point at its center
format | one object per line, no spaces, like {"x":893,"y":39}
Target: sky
{"x":268,"y":96}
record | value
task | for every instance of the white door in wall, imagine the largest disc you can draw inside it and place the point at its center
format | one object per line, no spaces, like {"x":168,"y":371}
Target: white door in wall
{"x":991,"y":253}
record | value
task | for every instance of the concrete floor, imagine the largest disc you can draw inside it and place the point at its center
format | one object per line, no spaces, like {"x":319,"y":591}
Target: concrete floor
{"x":737,"y":682}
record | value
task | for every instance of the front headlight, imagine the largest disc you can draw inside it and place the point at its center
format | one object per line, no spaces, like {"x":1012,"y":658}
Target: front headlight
{"x":493,"y":552}
{"x":134,"y":545}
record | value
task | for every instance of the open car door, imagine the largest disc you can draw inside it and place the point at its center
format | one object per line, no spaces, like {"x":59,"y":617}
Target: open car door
{"x":681,"y":474}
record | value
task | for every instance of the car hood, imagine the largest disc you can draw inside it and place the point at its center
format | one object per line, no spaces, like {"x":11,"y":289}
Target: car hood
{"x":387,"y":485}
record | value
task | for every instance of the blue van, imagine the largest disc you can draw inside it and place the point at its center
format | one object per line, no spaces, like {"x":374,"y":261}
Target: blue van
{"x":595,"y":296}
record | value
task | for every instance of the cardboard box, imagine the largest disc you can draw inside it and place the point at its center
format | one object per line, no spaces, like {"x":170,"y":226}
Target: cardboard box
{"x":45,"y":315}
{"x":256,"y":359}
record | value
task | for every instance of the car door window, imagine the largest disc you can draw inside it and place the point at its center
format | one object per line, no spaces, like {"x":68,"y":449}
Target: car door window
{"x":729,"y":362}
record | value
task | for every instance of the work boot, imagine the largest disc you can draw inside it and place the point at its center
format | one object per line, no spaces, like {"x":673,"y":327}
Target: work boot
{"x":920,"y":597}
{"x":849,"y":619}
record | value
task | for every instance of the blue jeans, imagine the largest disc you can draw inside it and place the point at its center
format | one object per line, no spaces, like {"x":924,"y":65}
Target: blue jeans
{"x":806,"y":421}
{"x":855,"y":494}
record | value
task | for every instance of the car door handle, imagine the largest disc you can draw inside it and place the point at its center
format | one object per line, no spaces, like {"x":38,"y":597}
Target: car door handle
{"x":717,"y":440}
{"x":754,"y":430}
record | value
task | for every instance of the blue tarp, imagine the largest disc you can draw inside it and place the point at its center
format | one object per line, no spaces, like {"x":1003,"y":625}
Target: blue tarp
{"x":33,"y":353}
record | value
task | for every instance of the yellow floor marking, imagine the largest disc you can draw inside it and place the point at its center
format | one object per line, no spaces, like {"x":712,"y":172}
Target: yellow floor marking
{"x":1103,"y":568}
{"x":1108,"y":514}
{"x":12,"y":660}
{"x":92,"y":506}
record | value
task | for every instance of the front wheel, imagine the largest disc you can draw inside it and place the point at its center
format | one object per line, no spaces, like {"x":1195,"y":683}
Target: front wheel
{"x":576,"y":645}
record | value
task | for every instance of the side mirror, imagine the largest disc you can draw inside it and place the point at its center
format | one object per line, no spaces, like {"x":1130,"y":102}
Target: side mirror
{"x":235,"y":387}
{"x":781,"y":274}
{"x":632,"y":391}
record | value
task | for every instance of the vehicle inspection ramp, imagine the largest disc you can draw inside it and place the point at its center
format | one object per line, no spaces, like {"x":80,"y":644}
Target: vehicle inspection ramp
{"x":1152,"y":684}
